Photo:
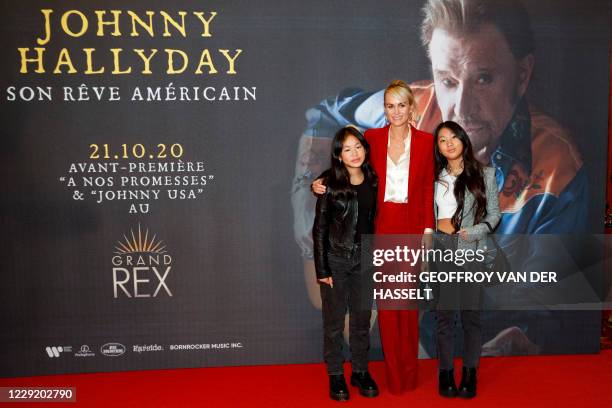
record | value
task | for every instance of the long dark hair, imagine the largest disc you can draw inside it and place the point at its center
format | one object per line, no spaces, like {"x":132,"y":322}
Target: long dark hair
{"x":339,"y":179}
{"x":471,"y":177}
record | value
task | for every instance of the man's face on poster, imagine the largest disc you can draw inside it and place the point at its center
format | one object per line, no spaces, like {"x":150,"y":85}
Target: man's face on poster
{"x":478,"y":83}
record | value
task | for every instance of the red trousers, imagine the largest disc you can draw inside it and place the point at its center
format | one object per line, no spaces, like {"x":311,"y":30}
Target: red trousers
{"x":399,"y":329}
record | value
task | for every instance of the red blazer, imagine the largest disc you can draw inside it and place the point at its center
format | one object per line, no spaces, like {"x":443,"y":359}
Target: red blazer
{"x":418,"y":213}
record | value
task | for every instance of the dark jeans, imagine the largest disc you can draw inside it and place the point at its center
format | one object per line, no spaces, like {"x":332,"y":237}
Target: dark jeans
{"x":348,"y":291}
{"x":445,"y":337}
{"x":453,"y":298}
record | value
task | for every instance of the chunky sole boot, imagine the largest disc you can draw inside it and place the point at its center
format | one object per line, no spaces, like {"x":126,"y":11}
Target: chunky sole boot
{"x":338,"y":390}
{"x":446,"y":383}
{"x":467,"y":387}
{"x":366,"y":384}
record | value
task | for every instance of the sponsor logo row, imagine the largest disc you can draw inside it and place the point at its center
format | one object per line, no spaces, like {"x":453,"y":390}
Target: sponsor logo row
{"x":118,"y":349}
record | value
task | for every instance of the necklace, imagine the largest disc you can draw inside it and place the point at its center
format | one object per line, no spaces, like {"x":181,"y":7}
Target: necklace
{"x":402,"y":138}
{"x":454,"y":172}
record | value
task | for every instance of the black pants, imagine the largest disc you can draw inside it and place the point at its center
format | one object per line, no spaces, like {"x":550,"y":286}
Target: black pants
{"x":453,"y":298}
{"x":445,"y":337}
{"x":348,"y":291}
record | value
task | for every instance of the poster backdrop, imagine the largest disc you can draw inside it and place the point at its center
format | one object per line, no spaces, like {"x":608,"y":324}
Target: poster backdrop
{"x":156,"y":156}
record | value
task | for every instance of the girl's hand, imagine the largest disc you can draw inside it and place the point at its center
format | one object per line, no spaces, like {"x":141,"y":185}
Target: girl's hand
{"x":463,"y":234}
{"x":327,"y":281}
{"x":318,"y":187}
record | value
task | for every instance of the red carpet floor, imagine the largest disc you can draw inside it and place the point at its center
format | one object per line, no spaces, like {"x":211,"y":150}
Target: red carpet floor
{"x":541,"y":381}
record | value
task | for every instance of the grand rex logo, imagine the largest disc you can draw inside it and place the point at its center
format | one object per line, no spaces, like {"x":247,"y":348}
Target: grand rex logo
{"x":141,"y":266}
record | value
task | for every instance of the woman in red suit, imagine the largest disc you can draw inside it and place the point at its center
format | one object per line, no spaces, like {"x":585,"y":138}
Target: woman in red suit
{"x":402,"y":156}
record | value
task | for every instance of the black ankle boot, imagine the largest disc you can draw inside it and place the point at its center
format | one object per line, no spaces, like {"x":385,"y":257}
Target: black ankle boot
{"x":337,"y":388}
{"x":446,"y":383}
{"x":365,"y":383}
{"x":467,"y":388}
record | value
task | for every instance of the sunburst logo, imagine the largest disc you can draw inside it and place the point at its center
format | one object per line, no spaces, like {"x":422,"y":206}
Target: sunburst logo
{"x":140,"y":261}
{"x":140,"y":244}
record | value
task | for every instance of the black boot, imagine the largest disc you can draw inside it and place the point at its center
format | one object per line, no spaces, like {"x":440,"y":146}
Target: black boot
{"x":337,"y":388}
{"x":467,"y":388}
{"x":366,"y":384}
{"x":446,"y":383}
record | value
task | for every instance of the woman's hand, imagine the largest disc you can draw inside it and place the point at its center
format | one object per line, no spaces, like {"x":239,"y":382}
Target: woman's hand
{"x":318,"y":187}
{"x":427,"y":239}
{"x":327,"y":281}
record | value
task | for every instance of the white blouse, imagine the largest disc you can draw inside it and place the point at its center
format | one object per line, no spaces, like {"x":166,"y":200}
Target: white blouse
{"x":445,"y":196}
{"x":396,"y":187}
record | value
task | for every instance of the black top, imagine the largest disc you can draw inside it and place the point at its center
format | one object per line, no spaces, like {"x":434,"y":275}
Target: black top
{"x":335,"y":229}
{"x":366,"y":200}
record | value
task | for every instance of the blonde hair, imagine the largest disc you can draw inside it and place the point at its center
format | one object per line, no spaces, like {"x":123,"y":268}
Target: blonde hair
{"x":401,"y":90}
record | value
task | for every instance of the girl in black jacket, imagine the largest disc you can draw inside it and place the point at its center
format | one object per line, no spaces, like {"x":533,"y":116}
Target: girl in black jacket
{"x":343,"y":214}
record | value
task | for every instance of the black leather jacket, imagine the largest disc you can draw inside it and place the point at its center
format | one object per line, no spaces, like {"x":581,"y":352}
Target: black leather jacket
{"x":334,"y":230}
